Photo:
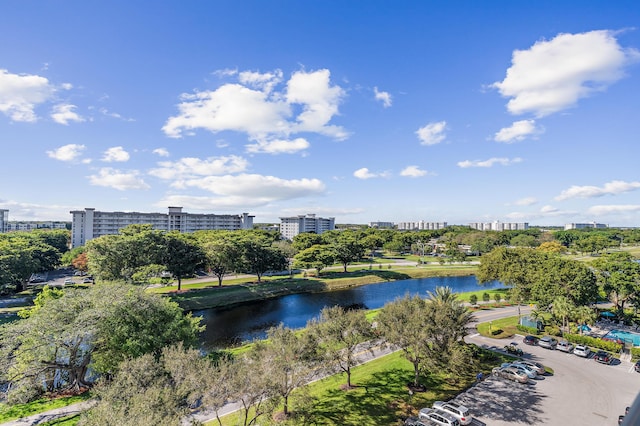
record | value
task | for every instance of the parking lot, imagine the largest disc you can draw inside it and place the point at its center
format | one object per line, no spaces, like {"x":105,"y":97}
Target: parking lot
{"x":579,"y":392}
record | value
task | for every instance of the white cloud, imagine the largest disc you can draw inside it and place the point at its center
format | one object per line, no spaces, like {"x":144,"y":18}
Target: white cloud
{"x":549,"y":209}
{"x":527,"y":201}
{"x":162,"y":152}
{"x":432,"y":133}
{"x":256,"y":189}
{"x":64,"y":113}
{"x":115,"y":154}
{"x":122,"y":181}
{"x":190,"y":167}
{"x":263,"y":113}
{"x":613,"y":209}
{"x":364,"y":173}
{"x":610,"y":188}
{"x":518,"y":131}
{"x":413,"y":171}
{"x":31,"y":211}
{"x":554,"y":74}
{"x":68,"y":152}
{"x":108,"y":113}
{"x":489,"y":163}
{"x":20,"y":94}
{"x":278,"y":146}
{"x":385,"y":97}
{"x":544,"y":212}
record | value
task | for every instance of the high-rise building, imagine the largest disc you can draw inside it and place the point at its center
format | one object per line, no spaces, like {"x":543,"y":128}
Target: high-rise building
{"x":499,"y":226}
{"x":584,"y":225}
{"x":292,"y":226}
{"x":421,"y":226}
{"x":89,"y":223}
{"x":4,"y":218}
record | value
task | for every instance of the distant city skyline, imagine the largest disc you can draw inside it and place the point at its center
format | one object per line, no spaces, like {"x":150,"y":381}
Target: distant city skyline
{"x":456,"y":112}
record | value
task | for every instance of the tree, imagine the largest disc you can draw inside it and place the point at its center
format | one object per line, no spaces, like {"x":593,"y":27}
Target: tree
{"x":497,"y":297}
{"x":372,"y":242}
{"x":552,"y":247}
{"x":584,"y":315}
{"x":317,"y":257}
{"x":93,"y":328}
{"x":259,"y":256}
{"x":221,"y":257}
{"x":486,"y":297}
{"x":402,"y":323}
{"x":619,"y":277}
{"x":149,"y":390}
{"x":80,"y":262}
{"x":523,"y":240}
{"x":304,"y":240}
{"x":562,"y":308}
{"x":288,"y":250}
{"x":339,"y":333}
{"x":182,"y":256}
{"x":473,"y":299}
{"x":347,"y":250}
{"x":290,"y":358}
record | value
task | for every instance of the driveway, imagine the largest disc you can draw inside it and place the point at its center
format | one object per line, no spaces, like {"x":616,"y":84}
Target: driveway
{"x":580,"y":391}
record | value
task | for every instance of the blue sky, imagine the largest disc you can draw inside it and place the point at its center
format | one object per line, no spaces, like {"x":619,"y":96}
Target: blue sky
{"x":456,"y":111}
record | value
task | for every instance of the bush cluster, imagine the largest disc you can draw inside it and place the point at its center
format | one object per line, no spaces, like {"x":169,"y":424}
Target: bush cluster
{"x":528,"y":330}
{"x":594,"y":342}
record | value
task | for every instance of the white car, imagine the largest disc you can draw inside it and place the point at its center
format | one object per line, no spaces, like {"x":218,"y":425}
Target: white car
{"x":438,"y":417}
{"x":530,"y":372}
{"x":458,"y":411}
{"x":582,"y":350}
{"x":564,"y":346}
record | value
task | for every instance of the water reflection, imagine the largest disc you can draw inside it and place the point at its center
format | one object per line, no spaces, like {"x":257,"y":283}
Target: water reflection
{"x":231,"y":326}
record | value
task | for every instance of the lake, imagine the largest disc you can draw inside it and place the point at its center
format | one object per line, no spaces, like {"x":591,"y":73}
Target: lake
{"x":241,"y":323}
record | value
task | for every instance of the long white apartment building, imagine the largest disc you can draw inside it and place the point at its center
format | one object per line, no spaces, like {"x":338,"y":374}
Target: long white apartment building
{"x":31,"y":225}
{"x":421,"y":226}
{"x":4,"y":219}
{"x":88,"y":224}
{"x":292,"y":226}
{"x":585,"y":225}
{"x":499,"y":226}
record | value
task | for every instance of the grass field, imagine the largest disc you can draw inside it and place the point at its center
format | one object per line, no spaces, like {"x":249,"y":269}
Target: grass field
{"x":38,"y":406}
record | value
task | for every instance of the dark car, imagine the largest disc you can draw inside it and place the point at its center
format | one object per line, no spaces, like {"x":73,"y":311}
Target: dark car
{"x":603,"y":357}
{"x":530,"y":340}
{"x":637,"y":366}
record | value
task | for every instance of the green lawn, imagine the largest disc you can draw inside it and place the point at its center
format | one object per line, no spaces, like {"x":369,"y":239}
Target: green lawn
{"x":38,"y":406}
{"x":502,"y":328}
{"x":380,"y":395}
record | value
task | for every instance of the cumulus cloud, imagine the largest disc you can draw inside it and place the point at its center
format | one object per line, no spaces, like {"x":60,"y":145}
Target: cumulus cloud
{"x":364,"y":173}
{"x":544,"y":212}
{"x":122,"y":181}
{"x":527,"y":201}
{"x":64,"y":113}
{"x":610,"y":188}
{"x":489,"y":163}
{"x":162,"y":152}
{"x":613,"y":209}
{"x":413,"y":171}
{"x":190,"y":167}
{"x":384,"y":97}
{"x":115,"y":154}
{"x":432,"y":133}
{"x":307,"y":103}
{"x":68,"y":152}
{"x":20,"y":94}
{"x":259,"y":188}
{"x":553,"y":75}
{"x":278,"y":146}
{"x":518,"y":131}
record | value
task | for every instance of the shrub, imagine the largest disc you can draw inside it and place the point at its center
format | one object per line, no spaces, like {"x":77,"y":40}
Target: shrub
{"x":552,"y":330}
{"x":473,"y":299}
{"x":594,"y":342}
{"x":486,"y":297}
{"x":635,"y":353}
{"x":528,"y":330}
{"x":497,"y":297}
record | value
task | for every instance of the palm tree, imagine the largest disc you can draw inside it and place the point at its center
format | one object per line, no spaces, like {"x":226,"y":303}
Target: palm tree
{"x":563,"y":308}
{"x":584,"y":315}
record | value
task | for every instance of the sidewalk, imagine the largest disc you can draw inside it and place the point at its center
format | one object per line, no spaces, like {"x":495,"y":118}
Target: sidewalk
{"x":57,"y":413}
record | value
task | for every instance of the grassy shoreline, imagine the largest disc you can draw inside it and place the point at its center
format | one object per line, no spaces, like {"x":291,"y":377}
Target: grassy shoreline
{"x":204,"y":295}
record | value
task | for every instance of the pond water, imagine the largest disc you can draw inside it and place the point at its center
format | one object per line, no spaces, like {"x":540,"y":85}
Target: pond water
{"x":248,"y":321}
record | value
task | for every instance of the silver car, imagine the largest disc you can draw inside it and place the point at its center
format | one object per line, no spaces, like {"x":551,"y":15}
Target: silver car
{"x":438,"y":417}
{"x":530,"y":372}
{"x":458,"y":411}
{"x":539,"y":368}
{"x":564,"y":346}
{"x":548,"y":342}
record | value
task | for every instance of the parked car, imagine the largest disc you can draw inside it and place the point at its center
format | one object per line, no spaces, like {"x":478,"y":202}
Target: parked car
{"x":68,"y":281}
{"x":530,"y":340}
{"x":87,"y":280}
{"x":438,"y":417}
{"x":414,"y":421}
{"x":603,"y":357}
{"x":510,"y":374}
{"x":637,"y":366}
{"x":548,"y":342}
{"x":456,"y":410}
{"x":582,"y":350}
{"x":533,"y":365}
{"x":532,"y":372}
{"x":565,"y":346}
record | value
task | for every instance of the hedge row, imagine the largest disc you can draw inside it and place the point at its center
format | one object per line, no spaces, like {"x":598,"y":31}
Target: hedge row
{"x":594,"y":342}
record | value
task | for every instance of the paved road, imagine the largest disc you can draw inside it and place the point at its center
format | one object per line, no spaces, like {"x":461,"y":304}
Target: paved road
{"x":580,"y":392}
